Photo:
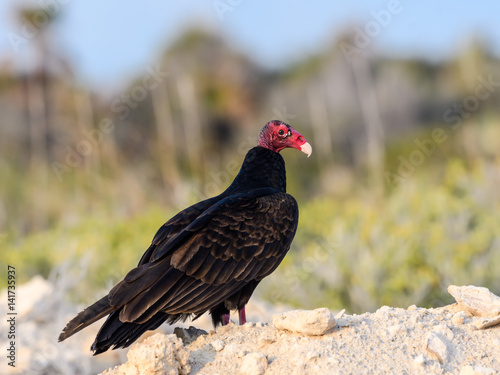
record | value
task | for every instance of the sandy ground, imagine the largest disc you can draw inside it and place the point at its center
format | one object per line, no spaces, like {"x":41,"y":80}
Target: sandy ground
{"x":463,"y":338}
{"x":389,"y":341}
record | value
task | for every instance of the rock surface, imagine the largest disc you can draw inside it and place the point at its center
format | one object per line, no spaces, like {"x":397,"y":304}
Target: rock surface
{"x":42,"y":311}
{"x":437,"y":345}
{"x":254,"y":364}
{"x":390,"y":340}
{"x":445,"y":340}
{"x":470,"y":370}
{"x":158,"y":354}
{"x":188,"y":335}
{"x":315,"y":322}
{"x":478,"y":301}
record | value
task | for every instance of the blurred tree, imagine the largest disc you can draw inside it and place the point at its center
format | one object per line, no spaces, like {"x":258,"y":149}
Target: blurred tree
{"x":37,"y":82}
{"x":190,"y":130}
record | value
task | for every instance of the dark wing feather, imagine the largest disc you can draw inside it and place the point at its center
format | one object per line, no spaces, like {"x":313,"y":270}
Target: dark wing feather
{"x":203,"y":255}
{"x":241,"y":238}
{"x":174,"y":226}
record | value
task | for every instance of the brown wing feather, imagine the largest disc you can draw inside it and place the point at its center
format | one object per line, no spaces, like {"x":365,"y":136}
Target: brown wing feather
{"x":240,"y":239}
{"x":174,"y":226}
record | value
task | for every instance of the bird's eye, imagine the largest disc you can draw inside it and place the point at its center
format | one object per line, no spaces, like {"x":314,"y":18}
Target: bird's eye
{"x":281,"y":132}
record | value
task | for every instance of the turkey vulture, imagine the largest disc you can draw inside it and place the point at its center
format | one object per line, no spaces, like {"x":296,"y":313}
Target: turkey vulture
{"x":210,"y":256}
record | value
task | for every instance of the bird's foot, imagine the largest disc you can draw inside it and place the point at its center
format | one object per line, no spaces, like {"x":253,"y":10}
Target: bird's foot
{"x":242,"y":316}
{"x":225,"y":319}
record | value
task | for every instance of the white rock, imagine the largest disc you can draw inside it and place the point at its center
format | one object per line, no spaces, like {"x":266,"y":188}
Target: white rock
{"x":496,"y":343}
{"x":459,"y":318}
{"x":340,"y":314}
{"x":385,"y":308}
{"x":477,"y":370}
{"x":158,"y":354}
{"x":419,"y":360}
{"x":445,"y":331}
{"x":218,"y":345}
{"x":254,"y":364}
{"x":436,"y":345}
{"x":482,"y":323}
{"x":311,"y":355}
{"x":231,"y":348}
{"x":397,"y":329}
{"x":478,"y":300}
{"x":308,"y":322}
{"x":333,"y":361}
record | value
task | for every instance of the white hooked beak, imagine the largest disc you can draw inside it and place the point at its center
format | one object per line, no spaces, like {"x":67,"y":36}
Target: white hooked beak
{"x":306,"y":149}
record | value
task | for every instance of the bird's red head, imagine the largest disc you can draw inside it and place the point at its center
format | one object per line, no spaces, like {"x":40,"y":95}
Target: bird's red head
{"x":277,"y":135}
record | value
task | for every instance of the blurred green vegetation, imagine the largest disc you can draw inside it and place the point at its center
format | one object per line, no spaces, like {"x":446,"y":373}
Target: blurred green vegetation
{"x":354,"y":252}
{"x":103,"y":247}
{"x":360,"y":253}
{"x":84,"y":198}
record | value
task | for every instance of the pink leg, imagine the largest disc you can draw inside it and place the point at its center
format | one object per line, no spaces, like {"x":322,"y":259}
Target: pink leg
{"x":243,"y":316}
{"x":225,"y":319}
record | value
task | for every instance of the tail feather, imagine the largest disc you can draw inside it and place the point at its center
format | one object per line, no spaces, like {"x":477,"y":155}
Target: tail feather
{"x":217,"y":313}
{"x":114,"y":333}
{"x":85,"y":318}
{"x":117,"y":334}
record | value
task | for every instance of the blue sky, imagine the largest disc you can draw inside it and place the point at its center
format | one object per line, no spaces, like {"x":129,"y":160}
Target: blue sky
{"x":109,"y":40}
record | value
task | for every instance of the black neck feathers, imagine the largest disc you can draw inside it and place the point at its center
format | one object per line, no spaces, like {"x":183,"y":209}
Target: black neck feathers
{"x":261,"y":168}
